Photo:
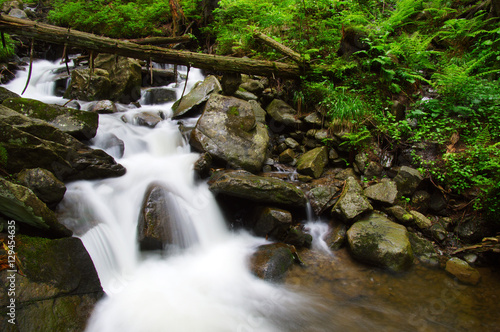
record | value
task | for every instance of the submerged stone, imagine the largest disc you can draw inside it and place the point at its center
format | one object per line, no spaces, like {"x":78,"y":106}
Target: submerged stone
{"x":463,"y":271}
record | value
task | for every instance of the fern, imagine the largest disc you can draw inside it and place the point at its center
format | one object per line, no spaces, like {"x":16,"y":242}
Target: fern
{"x":484,"y":136}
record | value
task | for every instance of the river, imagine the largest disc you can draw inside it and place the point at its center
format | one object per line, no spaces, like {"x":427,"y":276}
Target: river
{"x":208,"y":286}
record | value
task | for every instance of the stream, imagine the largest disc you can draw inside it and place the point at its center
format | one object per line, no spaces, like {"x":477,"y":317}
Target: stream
{"x":208,"y":286}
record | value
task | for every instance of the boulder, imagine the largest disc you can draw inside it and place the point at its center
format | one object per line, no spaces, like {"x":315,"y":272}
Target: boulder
{"x":228,"y":131}
{"x":421,"y":221}
{"x":257,"y":188}
{"x":408,"y":179}
{"x":146,"y":119}
{"x":22,"y":205}
{"x":254,"y":86}
{"x":125,"y":75}
{"x":198,"y":95}
{"x":336,"y":236}
{"x":322,"y":198}
{"x":379,"y":241}
{"x":159,"y":227}
{"x":18,"y":13}
{"x":79,"y":124}
{"x":89,"y":85}
{"x":155,"y":96}
{"x":56,"y":289}
{"x":420,"y":201}
{"x":423,"y":250}
{"x":384,"y":192}
{"x":272,"y":261}
{"x":474,"y":229}
{"x":401,"y":215}
{"x":272,"y":222}
{"x":287,"y":156}
{"x":6,"y":94}
{"x":44,"y":185}
{"x":260,"y":114}
{"x":230,"y":83}
{"x":104,"y":107}
{"x":32,"y":143}
{"x":352,"y":203}
{"x":313,"y":162}
{"x":245,"y":95}
{"x":463,"y":271}
{"x":283,"y":113}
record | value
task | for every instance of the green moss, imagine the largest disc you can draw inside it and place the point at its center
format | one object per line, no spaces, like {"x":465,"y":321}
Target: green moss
{"x":233,"y":111}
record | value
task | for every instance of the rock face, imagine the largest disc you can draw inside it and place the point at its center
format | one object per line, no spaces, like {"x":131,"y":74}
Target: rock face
{"x":257,"y":188}
{"x":379,"y":241}
{"x":352,"y":203}
{"x":6,"y":93}
{"x":21,"y":204}
{"x":44,"y":185}
{"x":283,"y":113}
{"x":79,"y":124}
{"x":32,"y":143}
{"x":58,"y":289}
{"x":196,"y":96}
{"x":158,"y":225}
{"x":313,"y":162}
{"x":228,"y":131}
{"x":463,"y":271}
{"x":272,"y":261}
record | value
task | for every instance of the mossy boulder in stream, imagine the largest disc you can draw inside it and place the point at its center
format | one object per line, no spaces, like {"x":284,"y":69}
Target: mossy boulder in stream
{"x":44,"y":185}
{"x":272,"y":261}
{"x":32,"y":143}
{"x":89,"y":85}
{"x":283,"y":113}
{"x":381,"y":242}
{"x":22,"y":205}
{"x":80,"y":124}
{"x":56,"y":289}
{"x":313,"y":162}
{"x":352,"y":204}
{"x":227,"y":130}
{"x":257,"y":188}
{"x":463,"y":271}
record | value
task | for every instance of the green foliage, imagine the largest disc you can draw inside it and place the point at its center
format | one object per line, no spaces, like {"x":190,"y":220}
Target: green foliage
{"x":123,"y":19}
{"x":8,"y":50}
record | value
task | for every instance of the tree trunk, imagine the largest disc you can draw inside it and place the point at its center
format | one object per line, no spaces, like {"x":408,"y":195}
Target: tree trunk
{"x":162,"y":40}
{"x":279,"y":47}
{"x":92,"y":42}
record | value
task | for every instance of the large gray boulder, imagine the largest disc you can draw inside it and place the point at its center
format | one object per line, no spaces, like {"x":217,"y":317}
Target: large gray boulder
{"x":56,"y":288}
{"x":228,"y":131}
{"x":313,"y":162}
{"x":384,"y":192}
{"x":22,"y":205}
{"x":32,"y":143}
{"x":256,"y":188}
{"x":407,"y":180}
{"x":379,"y":241}
{"x":272,"y":222}
{"x":283,"y":113}
{"x":197,"y":96}
{"x":79,"y":124}
{"x":352,"y":204}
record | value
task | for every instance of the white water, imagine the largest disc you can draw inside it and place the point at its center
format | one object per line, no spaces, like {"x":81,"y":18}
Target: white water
{"x":207,"y":287}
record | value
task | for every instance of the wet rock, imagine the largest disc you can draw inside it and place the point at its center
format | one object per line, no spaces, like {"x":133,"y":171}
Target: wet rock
{"x":283,"y":113}
{"x":58,"y":287}
{"x":352,"y":203}
{"x":438,"y":232}
{"x":379,"y":241}
{"x":18,"y":13}
{"x":313,"y":119}
{"x":260,"y":114}
{"x":245,"y":95}
{"x":79,"y":124}
{"x":463,"y":271}
{"x":384,"y":192}
{"x":228,"y":131}
{"x":155,"y":96}
{"x":202,"y":165}
{"x":272,"y":261}
{"x":32,"y":143}
{"x":287,"y":156}
{"x":291,"y":143}
{"x":322,"y":198}
{"x":373,"y":169}
{"x":313,"y":162}
{"x":401,"y":215}
{"x":298,"y":238}
{"x":272,"y":222}
{"x":6,"y":94}
{"x":421,"y":221}
{"x":21,"y":204}
{"x":125,"y":75}
{"x":408,"y":179}
{"x":337,"y":236}
{"x":111,"y":144}
{"x":196,"y":96}
{"x":424,"y":250}
{"x":474,"y":229}
{"x":147,"y":119}
{"x":44,"y":185}
{"x":104,"y":107}
{"x":230,"y":83}
{"x":158,"y":226}
{"x":257,"y":188}
{"x":420,"y":201}
{"x":254,"y":86}
{"x":87,"y":85}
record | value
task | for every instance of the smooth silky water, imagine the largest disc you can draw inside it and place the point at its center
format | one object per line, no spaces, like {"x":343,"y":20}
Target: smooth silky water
{"x":208,"y":286}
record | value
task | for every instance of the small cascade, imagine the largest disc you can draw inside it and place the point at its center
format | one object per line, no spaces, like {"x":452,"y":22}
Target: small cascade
{"x":318,"y":229}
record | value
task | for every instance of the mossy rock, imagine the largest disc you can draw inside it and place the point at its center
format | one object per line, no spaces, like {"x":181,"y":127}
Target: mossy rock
{"x":272,"y":261}
{"x":313,"y":162}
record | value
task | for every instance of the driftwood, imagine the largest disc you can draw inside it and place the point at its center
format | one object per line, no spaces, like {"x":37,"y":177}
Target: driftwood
{"x":162,"y":40}
{"x":99,"y":44}
{"x":279,"y":47}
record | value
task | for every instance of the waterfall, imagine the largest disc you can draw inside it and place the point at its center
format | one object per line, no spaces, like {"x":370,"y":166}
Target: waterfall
{"x":206,"y":287}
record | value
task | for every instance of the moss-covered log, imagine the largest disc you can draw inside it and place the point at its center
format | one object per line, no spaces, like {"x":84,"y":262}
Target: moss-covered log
{"x":92,"y":42}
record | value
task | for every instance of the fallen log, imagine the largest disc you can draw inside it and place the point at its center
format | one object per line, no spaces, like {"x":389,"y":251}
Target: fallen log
{"x":74,"y":38}
{"x":279,"y":47}
{"x":162,"y":40}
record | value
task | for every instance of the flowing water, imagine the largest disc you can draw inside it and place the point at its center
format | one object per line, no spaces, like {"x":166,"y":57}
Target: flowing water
{"x":208,"y":286}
